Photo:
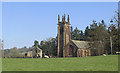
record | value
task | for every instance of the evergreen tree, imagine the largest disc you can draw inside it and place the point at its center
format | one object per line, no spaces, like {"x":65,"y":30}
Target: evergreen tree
{"x":97,"y":36}
{"x":112,"y":30}
{"x":87,"y":33}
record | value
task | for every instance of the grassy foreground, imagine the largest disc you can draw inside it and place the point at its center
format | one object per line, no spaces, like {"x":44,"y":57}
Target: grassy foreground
{"x":93,"y":63}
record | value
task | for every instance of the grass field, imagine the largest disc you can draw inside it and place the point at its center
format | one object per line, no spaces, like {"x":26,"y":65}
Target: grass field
{"x":93,"y":63}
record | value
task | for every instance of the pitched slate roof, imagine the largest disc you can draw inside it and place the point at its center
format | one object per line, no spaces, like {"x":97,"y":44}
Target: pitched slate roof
{"x":81,"y":44}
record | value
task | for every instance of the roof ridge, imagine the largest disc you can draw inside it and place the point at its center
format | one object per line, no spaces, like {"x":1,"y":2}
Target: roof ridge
{"x":79,"y":41}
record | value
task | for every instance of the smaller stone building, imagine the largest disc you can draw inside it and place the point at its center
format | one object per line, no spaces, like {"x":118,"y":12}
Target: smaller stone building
{"x":77,"y":48}
{"x":35,"y":53}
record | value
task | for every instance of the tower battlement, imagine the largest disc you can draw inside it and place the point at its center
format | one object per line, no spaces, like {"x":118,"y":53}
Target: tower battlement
{"x":63,"y":19}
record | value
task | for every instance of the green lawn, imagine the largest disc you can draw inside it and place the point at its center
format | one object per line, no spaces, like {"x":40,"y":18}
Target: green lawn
{"x":93,"y":63}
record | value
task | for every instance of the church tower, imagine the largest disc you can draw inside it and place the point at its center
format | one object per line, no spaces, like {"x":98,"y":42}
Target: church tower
{"x":64,"y":35}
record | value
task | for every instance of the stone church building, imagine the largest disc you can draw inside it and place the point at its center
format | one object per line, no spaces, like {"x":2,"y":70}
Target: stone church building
{"x":68,"y":47}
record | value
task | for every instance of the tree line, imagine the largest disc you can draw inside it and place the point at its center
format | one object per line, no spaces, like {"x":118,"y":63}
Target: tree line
{"x":103,"y":38}
{"x":98,"y":34}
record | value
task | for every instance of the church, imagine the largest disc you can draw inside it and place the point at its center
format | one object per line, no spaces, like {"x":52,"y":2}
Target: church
{"x":66,"y":46}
